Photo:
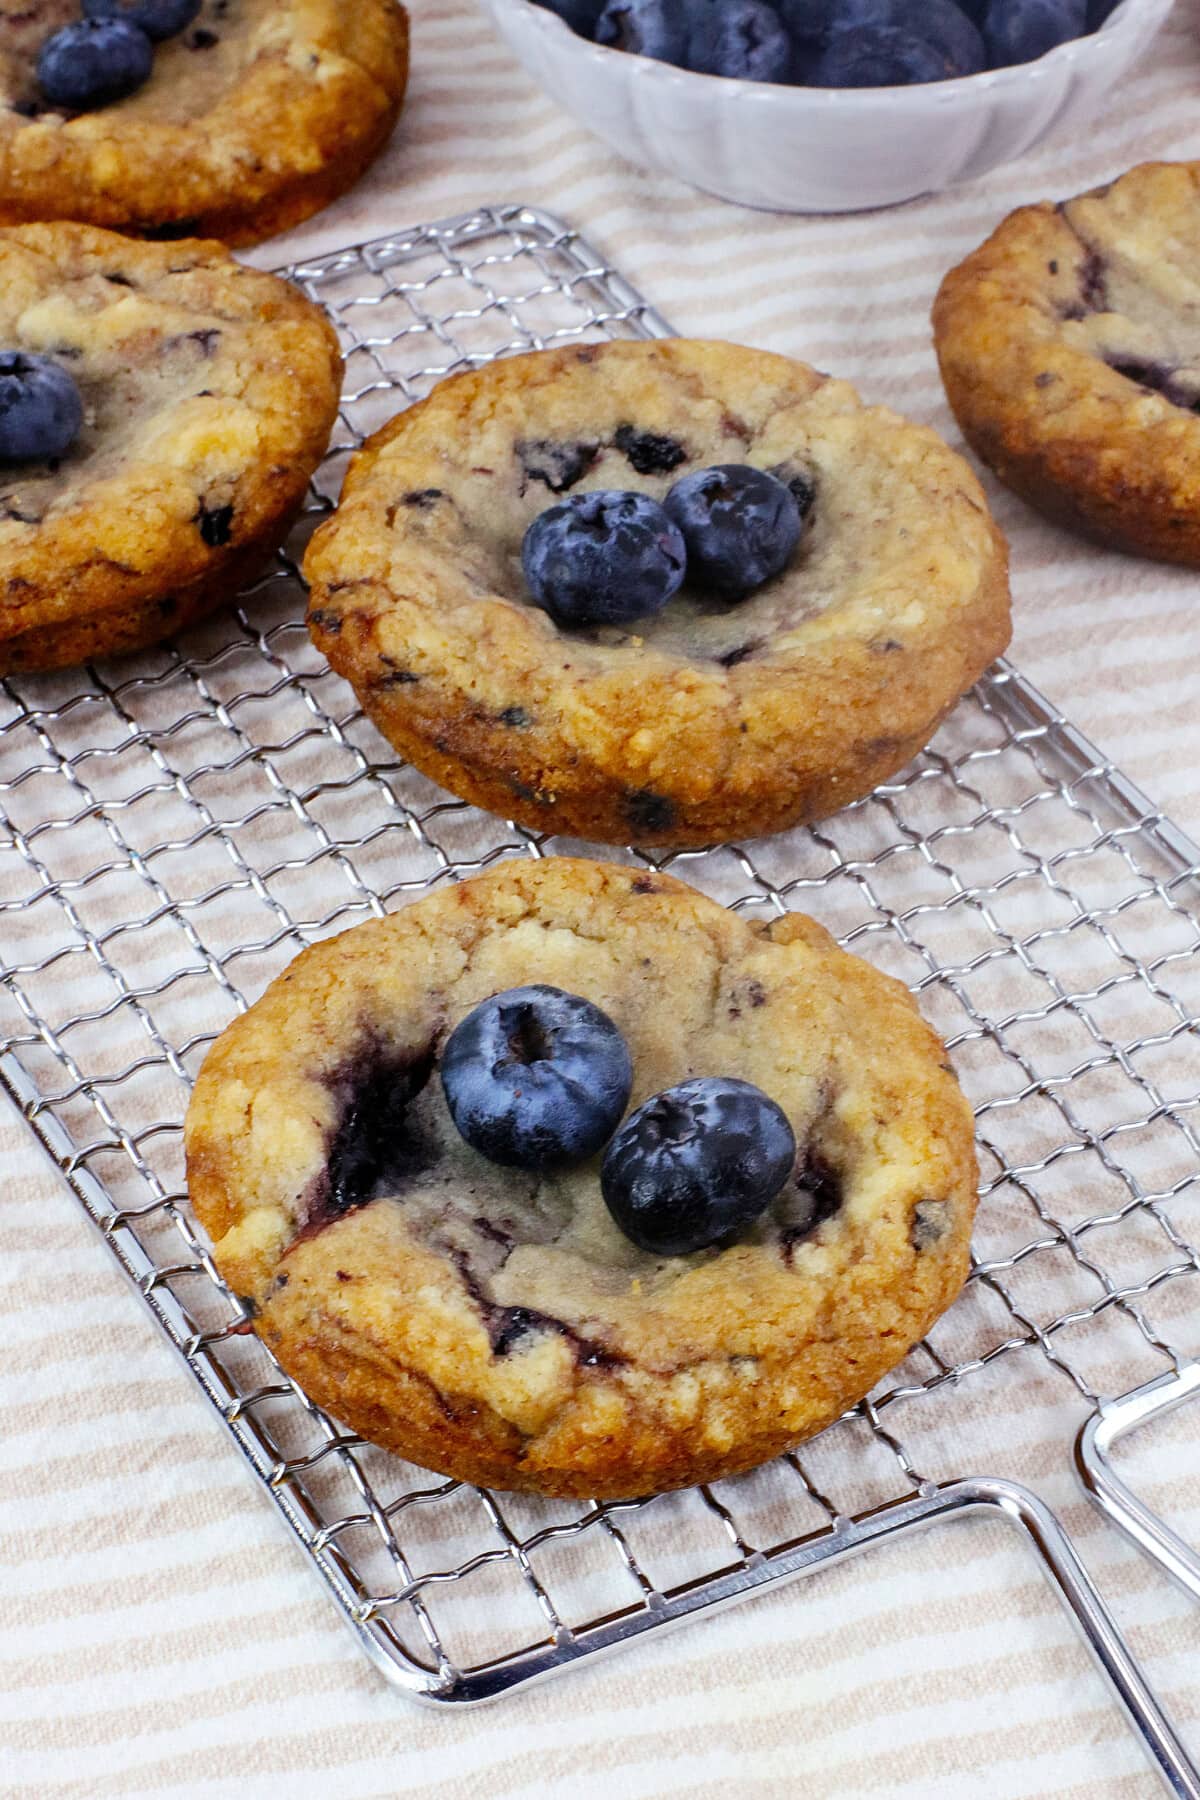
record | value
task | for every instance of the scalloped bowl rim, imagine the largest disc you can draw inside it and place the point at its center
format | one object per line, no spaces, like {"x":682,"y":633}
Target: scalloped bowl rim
{"x":1130,"y":18}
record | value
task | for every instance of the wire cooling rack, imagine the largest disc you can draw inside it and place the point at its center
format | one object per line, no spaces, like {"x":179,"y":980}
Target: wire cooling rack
{"x":176,"y":825}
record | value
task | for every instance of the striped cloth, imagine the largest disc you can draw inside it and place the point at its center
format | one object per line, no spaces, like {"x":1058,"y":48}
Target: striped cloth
{"x":161,"y":1634}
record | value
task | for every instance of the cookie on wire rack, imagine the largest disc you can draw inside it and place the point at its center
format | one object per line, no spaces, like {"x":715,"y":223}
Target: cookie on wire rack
{"x":713,"y":718}
{"x":253,"y":116}
{"x":492,"y":1321}
{"x":204,"y":395}
{"x":1070,"y":356}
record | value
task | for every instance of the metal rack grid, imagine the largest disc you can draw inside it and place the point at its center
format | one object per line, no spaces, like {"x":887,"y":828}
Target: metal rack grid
{"x":175,"y":826}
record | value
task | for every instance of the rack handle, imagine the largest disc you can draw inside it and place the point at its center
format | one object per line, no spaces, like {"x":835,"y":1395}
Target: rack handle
{"x":1116,"y":1500}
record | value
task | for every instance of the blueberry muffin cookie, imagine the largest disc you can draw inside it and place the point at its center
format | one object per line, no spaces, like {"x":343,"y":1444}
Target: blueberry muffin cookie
{"x":244,"y":118}
{"x":717,"y":715}
{"x":1070,"y":351}
{"x":203,"y":394}
{"x":491,"y":1319}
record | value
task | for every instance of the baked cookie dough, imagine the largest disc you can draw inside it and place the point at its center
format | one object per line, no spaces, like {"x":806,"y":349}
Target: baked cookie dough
{"x":709,"y":720}
{"x":495,"y":1325}
{"x":1070,"y":348}
{"x":209,"y":394}
{"x":257,"y":115}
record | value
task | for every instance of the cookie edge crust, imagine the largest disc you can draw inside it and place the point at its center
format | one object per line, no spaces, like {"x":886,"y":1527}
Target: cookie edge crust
{"x":1109,"y":488}
{"x":644,"y":1455}
{"x":134,"y":623}
{"x":360,"y":133}
{"x":550,"y":781}
{"x":117,"y":612}
{"x":363,"y":1384}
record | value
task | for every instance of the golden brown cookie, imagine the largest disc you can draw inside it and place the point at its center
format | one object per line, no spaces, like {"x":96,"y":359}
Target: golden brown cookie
{"x":1070,"y":352}
{"x":257,"y":115}
{"x":707,"y":721}
{"x":496,"y":1325}
{"x":209,"y":394}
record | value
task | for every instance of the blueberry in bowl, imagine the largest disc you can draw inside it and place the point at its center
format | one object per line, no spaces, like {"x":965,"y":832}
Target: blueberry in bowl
{"x":830,"y":43}
{"x":874,"y":101}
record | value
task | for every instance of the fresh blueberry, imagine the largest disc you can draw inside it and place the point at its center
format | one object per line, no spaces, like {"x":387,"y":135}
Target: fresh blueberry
{"x":93,"y":62}
{"x":40,"y":408}
{"x":1099,"y":11}
{"x":940,"y":23}
{"x":743,"y":39}
{"x":536,"y":1079}
{"x":580,"y":15}
{"x":696,"y":1165}
{"x":603,"y":559}
{"x":808,"y":20}
{"x":877,"y":56}
{"x":1019,"y":31}
{"x":740,"y":526}
{"x":157,"y":18}
{"x":657,"y":28}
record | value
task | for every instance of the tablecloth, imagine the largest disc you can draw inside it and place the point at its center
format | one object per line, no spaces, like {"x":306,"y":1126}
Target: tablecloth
{"x":160,"y":1633}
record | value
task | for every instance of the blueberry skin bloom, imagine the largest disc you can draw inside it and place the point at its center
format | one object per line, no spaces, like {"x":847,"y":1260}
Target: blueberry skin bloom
{"x":603,"y":559}
{"x":40,"y":409}
{"x":536,"y":1078}
{"x":696,"y":1165}
{"x":741,"y":527}
{"x":808,"y":20}
{"x":744,"y":40}
{"x":657,"y":28}
{"x":157,"y":18}
{"x":938,"y":23}
{"x":94,"y":62}
{"x":877,"y":56}
{"x":580,"y":15}
{"x":1018,"y":31}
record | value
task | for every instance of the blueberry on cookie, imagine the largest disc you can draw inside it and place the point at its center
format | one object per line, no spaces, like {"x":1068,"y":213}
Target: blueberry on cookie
{"x":41,"y":411}
{"x":1069,"y":351}
{"x":782,"y":1217}
{"x":161,"y":410}
{"x":740,"y":527}
{"x":696,"y":1165}
{"x":524,"y":639}
{"x":603,"y":559}
{"x":232,"y":119}
{"x":159,"y":19}
{"x":535,"y":1078}
{"x":94,"y":62}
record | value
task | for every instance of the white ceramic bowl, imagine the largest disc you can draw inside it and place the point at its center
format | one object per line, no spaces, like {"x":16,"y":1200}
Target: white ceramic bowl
{"x":792,"y":149}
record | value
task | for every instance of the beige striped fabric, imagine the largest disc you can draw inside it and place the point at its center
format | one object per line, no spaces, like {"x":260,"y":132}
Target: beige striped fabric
{"x":160,"y":1634}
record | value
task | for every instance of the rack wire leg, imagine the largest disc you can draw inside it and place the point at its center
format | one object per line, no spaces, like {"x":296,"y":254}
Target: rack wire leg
{"x":1111,"y":1420}
{"x":1100,"y":1632}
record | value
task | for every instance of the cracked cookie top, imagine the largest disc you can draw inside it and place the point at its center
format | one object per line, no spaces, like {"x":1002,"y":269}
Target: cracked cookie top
{"x":255,"y":115}
{"x":1070,"y":347}
{"x":209,"y":392}
{"x":382,"y":1257}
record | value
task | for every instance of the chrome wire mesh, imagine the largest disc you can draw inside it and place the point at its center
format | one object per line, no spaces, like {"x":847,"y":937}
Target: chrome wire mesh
{"x":175,"y":826}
